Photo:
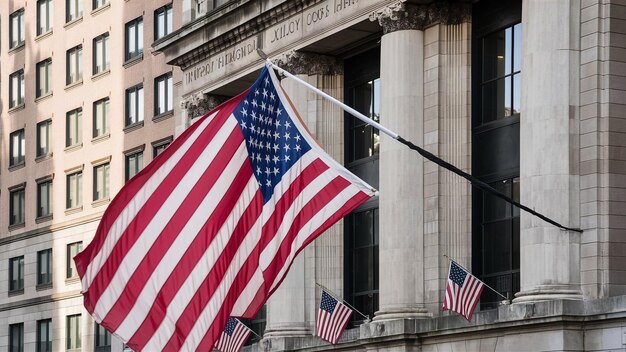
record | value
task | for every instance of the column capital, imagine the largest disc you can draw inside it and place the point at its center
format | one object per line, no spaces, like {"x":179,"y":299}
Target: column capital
{"x":402,"y":16}
{"x":199,"y":104}
{"x":305,"y":63}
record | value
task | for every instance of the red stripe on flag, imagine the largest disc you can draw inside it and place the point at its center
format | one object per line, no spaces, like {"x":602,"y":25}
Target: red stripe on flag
{"x":172,"y":230}
{"x":129,"y":190}
{"x":195,"y":252}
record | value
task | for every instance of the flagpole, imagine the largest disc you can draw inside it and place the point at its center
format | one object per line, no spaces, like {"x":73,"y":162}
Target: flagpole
{"x":469,"y":272}
{"x":426,"y":154}
{"x":247,"y":327}
{"x":334,"y":295}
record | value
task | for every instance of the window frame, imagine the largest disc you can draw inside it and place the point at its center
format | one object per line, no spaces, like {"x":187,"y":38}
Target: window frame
{"x":95,"y":5}
{"x":74,"y":185}
{"x":70,"y":267}
{"x":20,"y":86}
{"x":71,"y":17}
{"x":74,"y":65}
{"x":20,"y":272}
{"x":101,"y":187}
{"x":137,"y":51}
{"x":47,"y":66}
{"x":168,"y":94}
{"x":101,"y":346}
{"x":104,"y":118}
{"x":101,"y":41}
{"x":74,"y":128}
{"x":47,"y":183}
{"x":41,"y":30}
{"x":21,"y":36}
{"x":73,"y":338}
{"x":135,"y":93}
{"x":168,"y":17}
{"x":20,"y":327}
{"x":138,"y":163}
{"x":159,"y":146}
{"x":18,"y":219}
{"x":48,"y":341}
{"x":20,"y":148}
{"x":40,"y":152}
{"x":44,"y":279}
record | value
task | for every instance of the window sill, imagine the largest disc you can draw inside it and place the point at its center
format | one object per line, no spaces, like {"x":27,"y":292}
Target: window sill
{"x":74,"y":210}
{"x":100,"y":202}
{"x":97,"y":76}
{"x":41,"y":287}
{"x":100,"y":9}
{"x":133,"y":60}
{"x":72,"y":280}
{"x":17,"y":166}
{"x":73,"y":85}
{"x":16,"y":292}
{"x":43,"y":35}
{"x":17,"y":48}
{"x":43,"y":157}
{"x":71,"y":148}
{"x":43,"y":218}
{"x":17,"y":226}
{"x":102,"y":138}
{"x":17,"y":108}
{"x":134,"y":126}
{"x":43,"y":97}
{"x":72,"y":23}
{"x":163,"y":116}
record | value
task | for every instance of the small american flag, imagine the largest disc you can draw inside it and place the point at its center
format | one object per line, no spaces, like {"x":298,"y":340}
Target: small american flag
{"x":233,"y":337}
{"x":332,"y":318}
{"x":462,"y":292}
{"x":209,"y":228}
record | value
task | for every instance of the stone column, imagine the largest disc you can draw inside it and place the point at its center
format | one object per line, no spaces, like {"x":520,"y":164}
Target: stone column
{"x":401,"y":247}
{"x":291,"y":311}
{"x":549,"y":257}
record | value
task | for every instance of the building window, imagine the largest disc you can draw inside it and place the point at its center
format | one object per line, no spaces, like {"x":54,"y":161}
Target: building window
{"x":16,"y":89}
{"x":16,"y":206}
{"x":17,"y":148}
{"x":74,"y":65}
{"x":44,"y":16}
{"x":16,"y":29}
{"x":16,"y":337}
{"x":362,"y":154}
{"x":102,"y":339}
{"x":496,"y":146}
{"x":134,"y":38}
{"x":44,"y":267}
{"x":101,"y":118}
{"x":43,"y":138}
{"x":44,"y":198}
{"x":101,"y":182}
{"x":74,"y":197}
{"x":72,"y":337}
{"x":257,"y":325}
{"x":101,"y":54}
{"x":44,"y":78}
{"x":163,"y":22}
{"x":16,"y":273}
{"x":99,"y":3}
{"x":44,"y":335}
{"x":159,"y":147}
{"x":74,"y":128}
{"x":134,"y":105}
{"x":163,"y":94}
{"x":73,"y":10}
{"x":134,"y":164}
{"x":72,"y":250}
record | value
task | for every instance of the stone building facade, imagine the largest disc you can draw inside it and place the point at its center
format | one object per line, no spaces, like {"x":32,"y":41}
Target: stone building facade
{"x":527,"y":95}
{"x":85,"y":103}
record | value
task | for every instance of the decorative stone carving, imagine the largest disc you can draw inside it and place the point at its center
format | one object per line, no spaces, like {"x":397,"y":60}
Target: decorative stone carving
{"x":301,"y":63}
{"x":402,"y":16}
{"x":199,"y":104}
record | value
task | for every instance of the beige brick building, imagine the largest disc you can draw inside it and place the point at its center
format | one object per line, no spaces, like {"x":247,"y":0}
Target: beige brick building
{"x":85,"y":104}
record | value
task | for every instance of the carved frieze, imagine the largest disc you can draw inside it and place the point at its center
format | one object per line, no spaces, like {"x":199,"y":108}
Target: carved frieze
{"x":402,"y":16}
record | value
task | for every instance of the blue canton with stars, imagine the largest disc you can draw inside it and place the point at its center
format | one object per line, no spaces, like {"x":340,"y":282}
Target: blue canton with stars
{"x":274,"y":143}
{"x":230,"y":326}
{"x":457,"y":275}
{"x":328,"y":303}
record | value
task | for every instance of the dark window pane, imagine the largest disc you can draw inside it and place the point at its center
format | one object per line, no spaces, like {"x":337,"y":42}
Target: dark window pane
{"x":363,"y":269}
{"x":495,"y":208}
{"x":494,"y":56}
{"x":497,"y":247}
{"x":363,"y":228}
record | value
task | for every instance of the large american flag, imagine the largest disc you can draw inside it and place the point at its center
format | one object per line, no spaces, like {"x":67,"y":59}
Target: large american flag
{"x":233,"y":337}
{"x":462,"y":292}
{"x":209,"y":229}
{"x":332,"y":318}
